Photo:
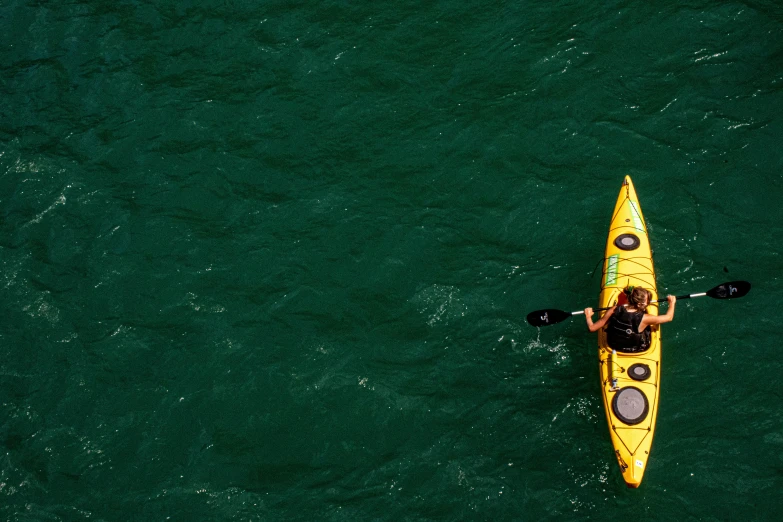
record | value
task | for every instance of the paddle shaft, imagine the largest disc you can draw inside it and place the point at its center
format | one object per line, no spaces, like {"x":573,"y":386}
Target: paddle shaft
{"x":679,"y":297}
{"x":730,"y":290}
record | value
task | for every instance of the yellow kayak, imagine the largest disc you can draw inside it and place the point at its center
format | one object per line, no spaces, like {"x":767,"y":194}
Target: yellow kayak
{"x":629,"y":382}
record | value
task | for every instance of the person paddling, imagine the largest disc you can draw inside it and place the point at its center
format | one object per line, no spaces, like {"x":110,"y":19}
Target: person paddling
{"x":627,"y":325}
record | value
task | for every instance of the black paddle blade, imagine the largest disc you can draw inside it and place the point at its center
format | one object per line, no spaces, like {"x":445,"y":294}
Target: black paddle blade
{"x":547,"y":317}
{"x":730,"y":290}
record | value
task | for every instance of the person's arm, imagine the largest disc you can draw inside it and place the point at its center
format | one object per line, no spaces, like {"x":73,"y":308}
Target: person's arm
{"x":594,"y":327}
{"x":660,"y":319}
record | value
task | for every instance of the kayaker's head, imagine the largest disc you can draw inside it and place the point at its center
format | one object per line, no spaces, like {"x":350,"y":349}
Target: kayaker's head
{"x":639,"y":298}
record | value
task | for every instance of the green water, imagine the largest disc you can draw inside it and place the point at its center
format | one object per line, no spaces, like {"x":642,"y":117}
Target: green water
{"x":271,"y":261}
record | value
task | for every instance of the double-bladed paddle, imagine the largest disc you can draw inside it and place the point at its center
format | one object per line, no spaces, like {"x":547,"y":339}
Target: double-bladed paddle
{"x":730,"y":290}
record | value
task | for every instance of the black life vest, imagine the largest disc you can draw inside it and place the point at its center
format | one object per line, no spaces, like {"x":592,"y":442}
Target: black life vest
{"x":622,"y":331}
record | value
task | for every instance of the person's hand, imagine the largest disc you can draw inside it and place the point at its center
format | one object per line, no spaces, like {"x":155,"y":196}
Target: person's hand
{"x":588,"y":312}
{"x":672,"y":299}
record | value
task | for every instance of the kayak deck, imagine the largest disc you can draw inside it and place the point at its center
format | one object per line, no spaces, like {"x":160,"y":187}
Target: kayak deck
{"x":630,"y":383}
